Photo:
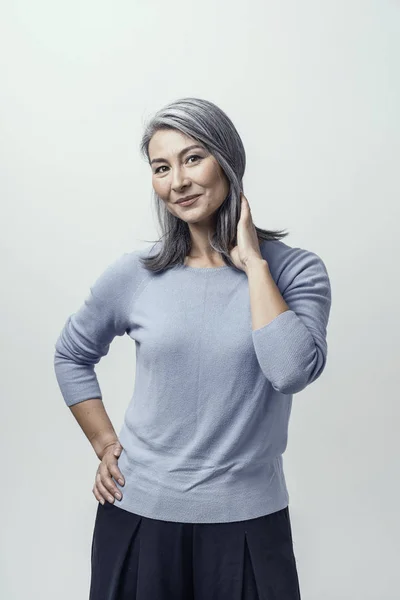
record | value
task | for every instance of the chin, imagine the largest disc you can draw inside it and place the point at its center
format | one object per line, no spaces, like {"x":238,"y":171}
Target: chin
{"x":199,"y":218}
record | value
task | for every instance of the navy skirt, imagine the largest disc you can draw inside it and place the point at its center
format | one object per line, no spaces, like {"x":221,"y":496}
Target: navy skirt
{"x":138,"y":558}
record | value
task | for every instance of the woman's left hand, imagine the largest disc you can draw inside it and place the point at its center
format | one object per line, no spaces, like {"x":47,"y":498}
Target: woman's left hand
{"x":248,"y":245}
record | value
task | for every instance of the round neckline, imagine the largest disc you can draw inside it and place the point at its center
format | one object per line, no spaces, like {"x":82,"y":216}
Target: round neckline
{"x":220,"y":268}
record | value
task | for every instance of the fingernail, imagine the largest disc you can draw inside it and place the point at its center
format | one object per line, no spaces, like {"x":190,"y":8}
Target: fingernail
{"x":118,"y":495}
{"x":121,"y":481}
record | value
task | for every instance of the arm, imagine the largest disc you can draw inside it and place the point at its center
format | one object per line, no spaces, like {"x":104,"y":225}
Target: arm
{"x":84,"y":340}
{"x":95,"y":424}
{"x":289,"y":329}
{"x":266,"y":301}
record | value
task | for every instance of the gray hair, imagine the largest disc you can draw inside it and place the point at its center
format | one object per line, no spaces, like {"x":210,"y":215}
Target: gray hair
{"x":208,"y":124}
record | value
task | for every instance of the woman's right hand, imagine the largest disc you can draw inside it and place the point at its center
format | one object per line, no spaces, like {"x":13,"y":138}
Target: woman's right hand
{"x":104,"y":487}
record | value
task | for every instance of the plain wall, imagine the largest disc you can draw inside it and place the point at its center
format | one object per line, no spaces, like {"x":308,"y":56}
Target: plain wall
{"x":314,"y":90}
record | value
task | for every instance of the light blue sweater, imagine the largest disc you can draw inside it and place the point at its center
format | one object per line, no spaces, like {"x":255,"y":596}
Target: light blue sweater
{"x":207,"y":424}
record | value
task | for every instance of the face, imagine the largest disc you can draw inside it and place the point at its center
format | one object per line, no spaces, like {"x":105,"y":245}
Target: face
{"x":179,"y":171}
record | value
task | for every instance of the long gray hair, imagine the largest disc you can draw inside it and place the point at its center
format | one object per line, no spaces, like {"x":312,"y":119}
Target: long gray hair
{"x":206,"y":123}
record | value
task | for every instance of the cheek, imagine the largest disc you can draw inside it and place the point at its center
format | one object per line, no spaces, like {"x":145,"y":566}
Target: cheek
{"x":213,"y":178}
{"x":159,"y":187}
{"x":208,"y":175}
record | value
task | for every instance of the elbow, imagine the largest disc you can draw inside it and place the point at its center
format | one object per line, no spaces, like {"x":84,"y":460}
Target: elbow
{"x":289,"y":387}
{"x":292,"y":384}
{"x":301,"y":374}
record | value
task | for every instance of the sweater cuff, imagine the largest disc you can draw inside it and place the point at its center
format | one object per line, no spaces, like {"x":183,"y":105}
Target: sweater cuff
{"x":77,"y":382}
{"x":284,"y":347}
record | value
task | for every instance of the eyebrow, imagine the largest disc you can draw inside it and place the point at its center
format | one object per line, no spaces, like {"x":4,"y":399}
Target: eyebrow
{"x":158,"y":160}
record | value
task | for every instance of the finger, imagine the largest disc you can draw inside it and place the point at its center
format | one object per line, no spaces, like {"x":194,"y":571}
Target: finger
{"x":117,"y":450}
{"x":245,"y":206}
{"x":116,"y":473}
{"x":97,"y":495}
{"x":108,"y":483}
{"x":103,"y":490}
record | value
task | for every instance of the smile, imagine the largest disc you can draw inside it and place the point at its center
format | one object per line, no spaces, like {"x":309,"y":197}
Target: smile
{"x":188,"y":202}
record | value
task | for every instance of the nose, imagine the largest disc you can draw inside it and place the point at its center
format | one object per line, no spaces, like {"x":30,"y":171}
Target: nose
{"x":180,"y":180}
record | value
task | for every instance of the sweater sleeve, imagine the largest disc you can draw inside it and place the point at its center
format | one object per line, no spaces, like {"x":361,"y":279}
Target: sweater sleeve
{"x":87,"y":334}
{"x":292,"y":348}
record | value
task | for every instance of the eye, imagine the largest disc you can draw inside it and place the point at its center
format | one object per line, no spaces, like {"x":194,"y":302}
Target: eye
{"x":194,"y":156}
{"x":164,"y":166}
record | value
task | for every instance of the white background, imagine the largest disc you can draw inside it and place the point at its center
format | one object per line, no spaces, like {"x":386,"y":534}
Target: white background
{"x":314,"y":90}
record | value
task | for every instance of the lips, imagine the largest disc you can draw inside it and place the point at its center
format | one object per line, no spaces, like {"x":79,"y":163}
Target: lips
{"x":190,"y":200}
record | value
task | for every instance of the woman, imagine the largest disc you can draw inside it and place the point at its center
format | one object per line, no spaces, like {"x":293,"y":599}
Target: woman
{"x":229,"y":322}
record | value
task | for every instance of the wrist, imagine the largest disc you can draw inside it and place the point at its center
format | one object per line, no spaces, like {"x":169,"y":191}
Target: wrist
{"x":101,"y":441}
{"x":255,"y":264}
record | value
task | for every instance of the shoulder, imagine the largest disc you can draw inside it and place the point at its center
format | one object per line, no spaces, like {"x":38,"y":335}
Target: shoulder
{"x":287,"y":262}
{"x":122,"y":274}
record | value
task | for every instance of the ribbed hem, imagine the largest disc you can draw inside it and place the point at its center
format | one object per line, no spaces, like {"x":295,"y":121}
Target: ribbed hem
{"x":258,"y":491}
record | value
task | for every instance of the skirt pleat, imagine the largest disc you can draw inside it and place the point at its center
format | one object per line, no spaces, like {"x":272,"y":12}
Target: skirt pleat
{"x":114,"y":552}
{"x":138,"y":558}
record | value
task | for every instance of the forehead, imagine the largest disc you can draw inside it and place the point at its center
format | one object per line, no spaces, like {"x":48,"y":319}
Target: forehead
{"x":168,"y":142}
